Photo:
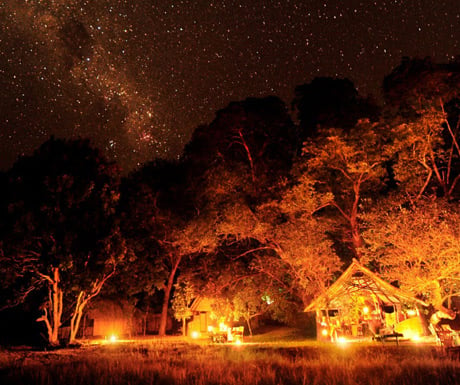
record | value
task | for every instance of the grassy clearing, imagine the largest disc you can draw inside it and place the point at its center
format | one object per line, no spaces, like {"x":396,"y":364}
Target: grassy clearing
{"x":180,"y":362}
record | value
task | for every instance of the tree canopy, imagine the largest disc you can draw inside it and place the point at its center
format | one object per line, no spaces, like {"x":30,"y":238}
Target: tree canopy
{"x":260,"y":213}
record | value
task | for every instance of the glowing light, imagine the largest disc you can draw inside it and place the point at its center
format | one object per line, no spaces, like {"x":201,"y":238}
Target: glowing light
{"x":195,"y":335}
{"x":210,"y":328}
{"x":365,"y":310}
{"x":113,"y":338}
{"x":223,"y":327}
{"x":324,"y":332}
{"x":238,"y":342}
{"x":342,"y":340}
{"x":415,"y":338}
{"x":411,"y":312}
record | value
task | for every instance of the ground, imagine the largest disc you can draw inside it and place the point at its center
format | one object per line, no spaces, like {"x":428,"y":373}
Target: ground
{"x":275,"y":357}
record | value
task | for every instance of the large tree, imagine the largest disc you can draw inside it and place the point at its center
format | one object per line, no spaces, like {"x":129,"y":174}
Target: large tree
{"x":281,"y":240}
{"x":160,"y":230}
{"x":417,"y":246}
{"x":255,"y":135}
{"x":61,"y":233}
{"x":350,"y":166}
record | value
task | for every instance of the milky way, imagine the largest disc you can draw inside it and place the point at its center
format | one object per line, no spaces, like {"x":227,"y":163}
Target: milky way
{"x":138,"y":76}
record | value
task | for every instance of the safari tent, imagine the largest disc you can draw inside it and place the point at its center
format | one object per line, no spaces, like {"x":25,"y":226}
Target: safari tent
{"x":361,"y":305}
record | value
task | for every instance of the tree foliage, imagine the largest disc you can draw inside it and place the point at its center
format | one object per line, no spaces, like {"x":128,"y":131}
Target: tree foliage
{"x":349,"y":166}
{"x":418,"y":247}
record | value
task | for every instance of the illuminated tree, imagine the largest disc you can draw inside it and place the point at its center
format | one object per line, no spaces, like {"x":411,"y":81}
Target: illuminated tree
{"x":281,"y":240}
{"x":296,"y":232}
{"x":423,"y":111}
{"x":160,"y":233}
{"x":418,"y":247}
{"x":184,"y":294}
{"x":61,"y":234}
{"x":427,"y":153}
{"x":349,"y":165}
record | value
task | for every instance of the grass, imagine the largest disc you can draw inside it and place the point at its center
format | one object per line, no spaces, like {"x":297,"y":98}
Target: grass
{"x":182,"y":362}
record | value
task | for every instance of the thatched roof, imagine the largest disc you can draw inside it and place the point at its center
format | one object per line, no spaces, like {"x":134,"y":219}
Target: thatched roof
{"x":358,"y":280}
{"x":201,"y":304}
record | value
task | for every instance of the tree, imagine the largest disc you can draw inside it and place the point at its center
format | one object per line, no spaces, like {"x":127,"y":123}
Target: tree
{"x":330,"y":103}
{"x":159,"y":229}
{"x":350,"y":166}
{"x":281,"y":240}
{"x":418,"y":247}
{"x":422,"y":109}
{"x":255,"y":135}
{"x":184,"y":294}
{"x":61,"y":231}
{"x":418,"y":82}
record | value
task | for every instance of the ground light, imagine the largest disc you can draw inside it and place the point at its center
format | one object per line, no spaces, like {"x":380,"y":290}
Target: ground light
{"x":113,"y":338}
{"x":342,"y":340}
{"x":415,"y":338}
{"x":195,"y":335}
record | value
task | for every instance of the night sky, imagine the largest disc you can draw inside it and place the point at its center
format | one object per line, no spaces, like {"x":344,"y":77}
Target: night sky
{"x":137,"y":76}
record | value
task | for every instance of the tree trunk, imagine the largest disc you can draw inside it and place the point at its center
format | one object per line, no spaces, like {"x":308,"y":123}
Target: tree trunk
{"x":184,"y":327}
{"x":251,"y":162}
{"x":165,"y":306}
{"x":248,"y":321}
{"x":53,"y":310}
{"x":76,"y":318}
{"x":82,"y":300}
{"x":356,"y":238}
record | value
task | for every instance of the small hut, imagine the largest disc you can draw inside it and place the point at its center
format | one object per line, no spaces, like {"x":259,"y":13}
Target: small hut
{"x":201,"y":310}
{"x":361,"y":305}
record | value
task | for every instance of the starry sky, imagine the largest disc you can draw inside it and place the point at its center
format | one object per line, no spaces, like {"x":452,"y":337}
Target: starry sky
{"x":137,"y":76}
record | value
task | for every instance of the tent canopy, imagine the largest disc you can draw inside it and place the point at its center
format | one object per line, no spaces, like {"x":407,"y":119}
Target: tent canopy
{"x":358,"y":280}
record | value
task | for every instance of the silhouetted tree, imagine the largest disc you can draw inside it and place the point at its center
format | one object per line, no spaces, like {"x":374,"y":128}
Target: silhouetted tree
{"x":330,"y":103}
{"x":256,"y":135}
{"x":61,"y":232}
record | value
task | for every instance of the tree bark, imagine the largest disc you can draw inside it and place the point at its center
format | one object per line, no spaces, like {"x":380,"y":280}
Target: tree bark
{"x":76,"y":317}
{"x":53,"y":310}
{"x":248,"y":321}
{"x":251,"y":161}
{"x":82,"y":300}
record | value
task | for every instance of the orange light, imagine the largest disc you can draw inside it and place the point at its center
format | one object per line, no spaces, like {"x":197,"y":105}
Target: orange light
{"x":415,"y":338}
{"x":113,"y":338}
{"x":324,"y":332}
{"x":365,"y":310}
{"x":223,"y":327}
{"x":195,"y":335}
{"x":342,"y":340}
